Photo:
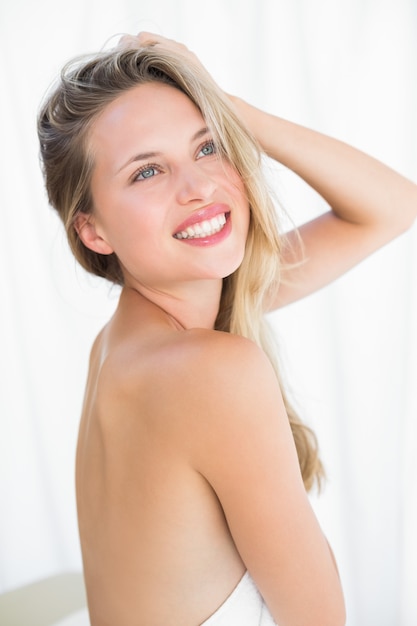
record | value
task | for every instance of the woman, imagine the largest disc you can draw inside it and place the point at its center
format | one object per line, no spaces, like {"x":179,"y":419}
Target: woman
{"x":192,"y":469}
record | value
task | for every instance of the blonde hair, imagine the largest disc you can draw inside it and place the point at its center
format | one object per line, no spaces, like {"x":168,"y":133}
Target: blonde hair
{"x":85,"y":87}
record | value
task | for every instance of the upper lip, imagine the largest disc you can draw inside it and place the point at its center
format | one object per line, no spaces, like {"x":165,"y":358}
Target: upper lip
{"x":206,"y":213}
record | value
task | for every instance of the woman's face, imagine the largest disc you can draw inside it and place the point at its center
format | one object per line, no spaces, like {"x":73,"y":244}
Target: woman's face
{"x":163,"y":200}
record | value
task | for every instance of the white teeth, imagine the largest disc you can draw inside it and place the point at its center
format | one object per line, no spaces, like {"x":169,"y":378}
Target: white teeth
{"x":203,"y":229}
{"x":206,"y":226}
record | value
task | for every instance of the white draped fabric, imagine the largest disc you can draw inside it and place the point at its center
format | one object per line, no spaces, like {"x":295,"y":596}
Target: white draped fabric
{"x":345,"y":67}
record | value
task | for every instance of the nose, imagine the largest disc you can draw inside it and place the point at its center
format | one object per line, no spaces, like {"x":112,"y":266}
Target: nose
{"x":195,"y":184}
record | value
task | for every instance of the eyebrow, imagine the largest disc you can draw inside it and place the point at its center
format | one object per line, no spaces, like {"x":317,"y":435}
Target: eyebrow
{"x":144,"y":156}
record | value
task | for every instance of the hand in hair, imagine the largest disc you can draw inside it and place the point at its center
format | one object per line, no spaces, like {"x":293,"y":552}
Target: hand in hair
{"x":145,"y":39}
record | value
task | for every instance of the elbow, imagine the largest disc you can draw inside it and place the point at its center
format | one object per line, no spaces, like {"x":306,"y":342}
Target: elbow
{"x":409,"y":220}
{"x":408,"y":211}
{"x":413,"y":219}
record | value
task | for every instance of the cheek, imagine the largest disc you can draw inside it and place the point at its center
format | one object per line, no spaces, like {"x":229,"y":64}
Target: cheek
{"x":134,"y":229}
{"x":238,"y":192}
{"x":235,"y":184}
{"x":128,"y":231}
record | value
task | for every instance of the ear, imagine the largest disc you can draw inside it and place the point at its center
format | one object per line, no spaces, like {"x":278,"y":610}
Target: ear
{"x":85,"y":226}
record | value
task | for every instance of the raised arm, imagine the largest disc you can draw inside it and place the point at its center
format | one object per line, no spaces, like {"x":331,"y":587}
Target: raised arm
{"x":370,"y":204}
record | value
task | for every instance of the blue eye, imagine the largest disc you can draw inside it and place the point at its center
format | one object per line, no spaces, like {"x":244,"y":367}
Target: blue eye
{"x":208,"y":149}
{"x":147,"y":172}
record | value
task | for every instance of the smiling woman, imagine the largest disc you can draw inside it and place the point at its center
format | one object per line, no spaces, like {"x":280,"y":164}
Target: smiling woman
{"x":192,"y":467}
{"x":146,"y":204}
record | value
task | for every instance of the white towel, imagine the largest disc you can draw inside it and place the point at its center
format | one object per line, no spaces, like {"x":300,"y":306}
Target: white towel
{"x":244,"y":607}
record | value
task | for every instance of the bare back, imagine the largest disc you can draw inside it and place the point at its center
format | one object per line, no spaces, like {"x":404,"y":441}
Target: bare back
{"x":187,"y":475}
{"x":156,"y":546}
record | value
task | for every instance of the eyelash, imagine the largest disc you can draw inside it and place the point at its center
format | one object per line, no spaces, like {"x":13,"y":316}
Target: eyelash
{"x":210,"y":143}
{"x":153,"y":166}
{"x":145,"y":168}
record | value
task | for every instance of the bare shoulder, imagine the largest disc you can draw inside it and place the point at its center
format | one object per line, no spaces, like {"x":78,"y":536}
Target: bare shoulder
{"x":217,"y":353}
{"x":173,"y":360}
{"x":208,"y":354}
{"x":213,"y":368}
{"x":236,"y":395}
{"x":189,"y":381}
{"x":212,"y":389}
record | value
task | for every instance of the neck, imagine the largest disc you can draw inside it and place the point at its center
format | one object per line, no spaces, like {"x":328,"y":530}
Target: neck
{"x":190,"y":305}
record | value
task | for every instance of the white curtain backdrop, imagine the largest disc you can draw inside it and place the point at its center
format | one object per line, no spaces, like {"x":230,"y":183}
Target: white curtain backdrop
{"x":345,"y":67}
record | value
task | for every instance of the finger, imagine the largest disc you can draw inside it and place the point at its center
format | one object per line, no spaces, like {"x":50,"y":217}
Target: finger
{"x":146,"y":38}
{"x":128,"y":41}
{"x":141,"y":40}
{"x":151,"y":39}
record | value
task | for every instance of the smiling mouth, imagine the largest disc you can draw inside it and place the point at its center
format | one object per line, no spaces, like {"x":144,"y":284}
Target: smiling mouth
{"x":206,"y":228}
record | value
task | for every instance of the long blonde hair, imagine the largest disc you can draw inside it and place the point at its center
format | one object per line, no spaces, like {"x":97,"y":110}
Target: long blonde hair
{"x":85,"y":87}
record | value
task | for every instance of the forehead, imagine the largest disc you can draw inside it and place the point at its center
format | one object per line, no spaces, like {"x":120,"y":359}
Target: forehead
{"x":151,"y":109}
